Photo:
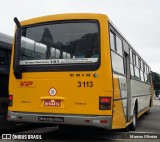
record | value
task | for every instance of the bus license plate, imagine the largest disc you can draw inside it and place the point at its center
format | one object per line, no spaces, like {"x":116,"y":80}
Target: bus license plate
{"x":51,"y":118}
{"x":52,"y":103}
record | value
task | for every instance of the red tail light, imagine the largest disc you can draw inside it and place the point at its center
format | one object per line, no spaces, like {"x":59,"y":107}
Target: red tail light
{"x":105,"y":100}
{"x":10,"y":100}
{"x":104,"y":103}
{"x":10,"y":97}
{"x":103,"y":121}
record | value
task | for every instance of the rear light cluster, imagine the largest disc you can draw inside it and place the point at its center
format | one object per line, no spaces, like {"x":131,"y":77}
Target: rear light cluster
{"x":104,"y":103}
{"x":10,"y":100}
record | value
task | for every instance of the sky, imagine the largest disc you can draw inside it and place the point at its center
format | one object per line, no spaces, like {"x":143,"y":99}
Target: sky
{"x":137,"y":20}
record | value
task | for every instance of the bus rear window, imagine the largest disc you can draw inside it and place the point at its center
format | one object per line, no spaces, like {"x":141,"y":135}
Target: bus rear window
{"x":60,"y":43}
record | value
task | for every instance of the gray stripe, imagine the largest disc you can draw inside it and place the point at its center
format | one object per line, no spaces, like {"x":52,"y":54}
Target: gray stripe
{"x":141,"y":95}
{"x":120,"y":99}
{"x":132,"y":97}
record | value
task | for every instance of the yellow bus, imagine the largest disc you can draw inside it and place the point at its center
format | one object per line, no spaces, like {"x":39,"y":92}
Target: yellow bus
{"x":76,"y":69}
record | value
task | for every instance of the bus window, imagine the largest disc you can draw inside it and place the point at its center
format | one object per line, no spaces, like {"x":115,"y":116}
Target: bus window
{"x":136,"y":72}
{"x":77,"y":39}
{"x":139,"y":63}
{"x":145,"y":77}
{"x":112,"y":41}
{"x":119,"y":45}
{"x":130,"y":56}
{"x":142,"y":65}
{"x":134,"y":58}
{"x":142,"y":75}
{"x":132,"y":70}
{"x":117,"y":63}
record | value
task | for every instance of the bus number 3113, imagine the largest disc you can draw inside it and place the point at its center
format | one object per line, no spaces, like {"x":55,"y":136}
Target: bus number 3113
{"x":85,"y":84}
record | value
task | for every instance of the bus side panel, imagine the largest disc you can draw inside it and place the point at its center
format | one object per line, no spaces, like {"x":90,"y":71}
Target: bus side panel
{"x":118,"y":107}
{"x":141,"y":92}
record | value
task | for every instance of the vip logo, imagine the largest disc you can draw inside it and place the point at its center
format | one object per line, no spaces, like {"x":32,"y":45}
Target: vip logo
{"x":6,"y":136}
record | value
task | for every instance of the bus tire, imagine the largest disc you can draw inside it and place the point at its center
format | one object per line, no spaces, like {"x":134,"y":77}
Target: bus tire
{"x":134,"y":123}
{"x":125,"y":129}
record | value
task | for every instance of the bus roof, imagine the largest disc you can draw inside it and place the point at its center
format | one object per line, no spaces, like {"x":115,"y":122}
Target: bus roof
{"x":5,"y":41}
{"x":66,"y":16}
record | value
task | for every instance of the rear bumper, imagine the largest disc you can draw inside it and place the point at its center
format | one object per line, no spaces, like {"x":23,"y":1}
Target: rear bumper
{"x":83,"y":120}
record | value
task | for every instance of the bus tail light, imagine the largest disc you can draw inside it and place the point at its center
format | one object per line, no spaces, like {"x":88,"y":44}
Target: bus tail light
{"x":103,"y":121}
{"x":10,"y":100}
{"x":104,"y":103}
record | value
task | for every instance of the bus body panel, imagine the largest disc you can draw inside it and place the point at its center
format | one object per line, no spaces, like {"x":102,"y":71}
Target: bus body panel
{"x":119,"y":106}
{"x":141,"y":92}
{"x":30,"y":92}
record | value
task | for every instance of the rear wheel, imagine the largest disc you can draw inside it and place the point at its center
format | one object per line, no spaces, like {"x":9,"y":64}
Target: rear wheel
{"x":134,"y":123}
{"x":125,"y":129}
